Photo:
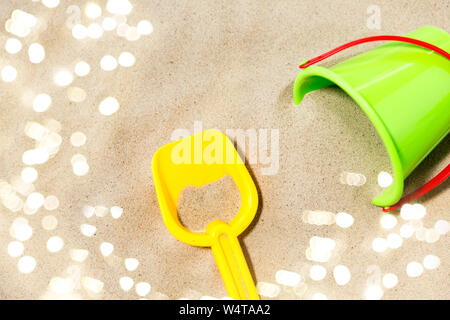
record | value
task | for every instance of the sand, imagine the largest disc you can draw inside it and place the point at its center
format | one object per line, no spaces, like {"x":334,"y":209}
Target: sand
{"x":219,"y":200}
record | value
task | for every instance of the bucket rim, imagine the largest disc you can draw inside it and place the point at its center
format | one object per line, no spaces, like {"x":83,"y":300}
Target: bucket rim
{"x":394,"y":192}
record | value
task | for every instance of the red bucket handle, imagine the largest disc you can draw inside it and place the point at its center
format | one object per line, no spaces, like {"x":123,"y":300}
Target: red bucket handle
{"x":420,"y":43}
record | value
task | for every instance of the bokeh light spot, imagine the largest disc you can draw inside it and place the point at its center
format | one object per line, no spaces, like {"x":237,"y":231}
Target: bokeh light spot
{"x":108,"y":106}
{"x":55,"y":244}
{"x":42,"y":102}
{"x":120,"y":7}
{"x":50,"y":3}
{"x":79,"y":31}
{"x":109,"y":24}
{"x":61,"y":285}
{"x":101,"y":211}
{"x":431,"y":236}
{"x":269,"y":290}
{"x":131,"y":264}
{"x":126,"y":59}
{"x":36,"y":53}
{"x":431,"y":262}
{"x":132,"y":34}
{"x":20,"y":229}
{"x":394,"y":241}
{"x":319,"y":296}
{"x":379,"y":245}
{"x":108,"y":63}
{"x":88,"y":211}
{"x":9,"y":73}
{"x":441,"y":227}
{"x":94,"y":31}
{"x":63,"y":78}
{"x":79,"y":255}
{"x":317,"y":272}
{"x":344,"y":220}
{"x":35,"y":200}
{"x":76,"y":94}
{"x":388,"y":221}
{"x":144,"y":27}
{"x":373,"y":292}
{"x":13,"y":45}
{"x":91,"y":284}
{"x":15,"y":249}
{"x":390,"y":280}
{"x":126,"y":283}
{"x":51,"y":203}
{"x":116,"y":212}
{"x":352,"y":179}
{"x":29,"y":174}
{"x":143,"y":288}
{"x":26,"y":264}
{"x":412,"y":211}
{"x":384,"y":179}
{"x":287,"y":278}
{"x":88,"y":230}
{"x":407,"y":231}
{"x":78,"y":139}
{"x":414,"y":269}
{"x":106,"y":248}
{"x":341,"y":275}
{"x":80,"y":168}
{"x":93,"y":10}
{"x":49,"y":222}
{"x":82,"y":68}
{"x":122,"y":29}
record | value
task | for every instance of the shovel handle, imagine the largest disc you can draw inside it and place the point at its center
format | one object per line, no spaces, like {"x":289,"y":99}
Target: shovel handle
{"x":231,"y":262}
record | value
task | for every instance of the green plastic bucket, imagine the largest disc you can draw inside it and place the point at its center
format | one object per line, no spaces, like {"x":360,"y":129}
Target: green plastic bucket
{"x":404,"y":90}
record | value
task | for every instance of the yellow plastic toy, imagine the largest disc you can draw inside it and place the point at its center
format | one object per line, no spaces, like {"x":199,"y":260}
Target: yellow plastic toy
{"x":197,"y":160}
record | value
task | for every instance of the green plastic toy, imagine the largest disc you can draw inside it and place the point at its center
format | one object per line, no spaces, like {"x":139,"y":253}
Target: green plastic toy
{"x":404,"y":89}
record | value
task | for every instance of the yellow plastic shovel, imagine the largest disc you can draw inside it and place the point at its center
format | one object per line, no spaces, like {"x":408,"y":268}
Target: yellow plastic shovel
{"x":197,"y":160}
